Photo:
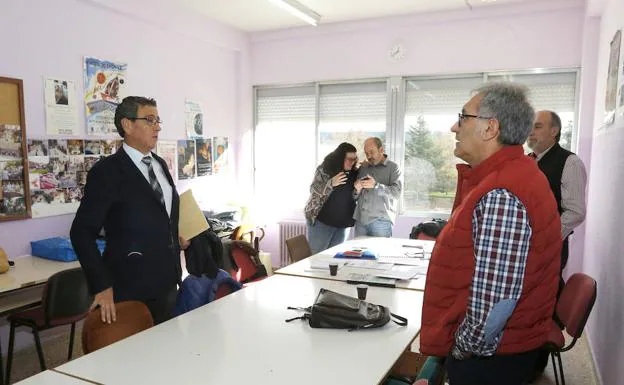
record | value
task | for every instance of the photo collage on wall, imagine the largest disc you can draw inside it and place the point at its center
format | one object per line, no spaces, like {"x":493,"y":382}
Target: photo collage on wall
{"x":12,"y":199}
{"x":57,"y":171}
{"x":202,"y":157}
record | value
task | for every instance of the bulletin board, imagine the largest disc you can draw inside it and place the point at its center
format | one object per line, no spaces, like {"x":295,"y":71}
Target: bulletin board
{"x":14,"y":188}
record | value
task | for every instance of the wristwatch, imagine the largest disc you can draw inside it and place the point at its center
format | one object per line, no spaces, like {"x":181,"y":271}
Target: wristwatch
{"x":459,"y":354}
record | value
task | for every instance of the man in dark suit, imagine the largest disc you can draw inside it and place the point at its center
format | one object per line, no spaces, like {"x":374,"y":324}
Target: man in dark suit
{"x":133,"y":197}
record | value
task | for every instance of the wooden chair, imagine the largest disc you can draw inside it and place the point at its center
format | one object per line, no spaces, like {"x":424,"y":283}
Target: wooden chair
{"x":132,"y":317}
{"x":298,"y":248}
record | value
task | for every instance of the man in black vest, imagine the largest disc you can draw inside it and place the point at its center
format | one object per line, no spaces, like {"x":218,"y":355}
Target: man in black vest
{"x":567,"y":178}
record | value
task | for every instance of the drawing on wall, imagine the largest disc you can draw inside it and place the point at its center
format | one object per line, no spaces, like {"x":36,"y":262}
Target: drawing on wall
{"x":612,"y":78}
{"x":166,"y":149}
{"x":194,"y":119}
{"x":61,"y":105}
{"x":57,"y":172}
{"x":220,"y":165}
{"x":204,"y":156}
{"x":104,"y":83}
{"x":186,"y":159}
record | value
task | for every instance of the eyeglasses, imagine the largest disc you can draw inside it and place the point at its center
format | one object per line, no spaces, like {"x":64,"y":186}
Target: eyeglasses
{"x":351,"y":158}
{"x":151,"y":120}
{"x":462,"y":116}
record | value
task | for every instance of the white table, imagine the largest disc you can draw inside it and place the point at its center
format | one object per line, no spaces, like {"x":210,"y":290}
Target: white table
{"x":30,"y":271}
{"x":379,"y":245}
{"x":243,"y":339}
{"x":50,"y":377}
{"x":22,"y":284}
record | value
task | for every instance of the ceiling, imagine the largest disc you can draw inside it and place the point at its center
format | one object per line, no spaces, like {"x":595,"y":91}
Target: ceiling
{"x":262,"y":15}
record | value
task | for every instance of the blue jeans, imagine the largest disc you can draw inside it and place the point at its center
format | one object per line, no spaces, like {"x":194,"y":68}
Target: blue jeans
{"x":322,"y":236}
{"x":377,"y":228}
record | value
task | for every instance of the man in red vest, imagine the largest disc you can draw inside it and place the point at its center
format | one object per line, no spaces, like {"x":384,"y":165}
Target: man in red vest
{"x":493,"y":274}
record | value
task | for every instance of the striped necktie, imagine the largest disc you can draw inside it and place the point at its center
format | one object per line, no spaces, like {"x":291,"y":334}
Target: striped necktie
{"x":152,"y":179}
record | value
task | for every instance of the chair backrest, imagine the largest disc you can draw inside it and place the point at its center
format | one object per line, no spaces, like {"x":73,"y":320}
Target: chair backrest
{"x":298,"y":248}
{"x":223,"y":290}
{"x":576,"y":302}
{"x":66,"y":296}
{"x":246,"y":267}
{"x":132,"y":317}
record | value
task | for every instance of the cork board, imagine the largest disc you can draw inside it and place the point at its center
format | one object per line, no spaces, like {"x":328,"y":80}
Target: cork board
{"x":14,"y":182}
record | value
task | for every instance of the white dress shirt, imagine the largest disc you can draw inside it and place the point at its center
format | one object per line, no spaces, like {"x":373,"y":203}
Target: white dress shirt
{"x":137,"y":157}
{"x":573,"y":183}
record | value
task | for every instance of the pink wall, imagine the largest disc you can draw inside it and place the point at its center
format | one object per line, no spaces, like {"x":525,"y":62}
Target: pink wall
{"x":604,"y":242}
{"x":172,"y":55}
{"x":544,"y":34}
{"x":535,"y":35}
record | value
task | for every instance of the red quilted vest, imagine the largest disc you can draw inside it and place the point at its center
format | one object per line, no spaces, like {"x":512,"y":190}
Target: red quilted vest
{"x":452,"y":263}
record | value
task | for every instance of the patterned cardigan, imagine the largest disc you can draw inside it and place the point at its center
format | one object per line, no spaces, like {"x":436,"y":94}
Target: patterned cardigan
{"x":320,"y":189}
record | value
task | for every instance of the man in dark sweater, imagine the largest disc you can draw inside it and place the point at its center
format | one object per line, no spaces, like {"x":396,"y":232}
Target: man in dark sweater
{"x":567,"y":178}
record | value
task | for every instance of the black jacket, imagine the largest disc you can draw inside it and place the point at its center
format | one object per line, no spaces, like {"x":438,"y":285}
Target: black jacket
{"x":142,"y":256}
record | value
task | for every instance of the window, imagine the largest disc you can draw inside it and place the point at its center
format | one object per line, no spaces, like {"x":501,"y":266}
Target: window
{"x":555,"y":92}
{"x":351,"y":113}
{"x":431,"y":108}
{"x":284,"y":137}
{"x":296,"y":127}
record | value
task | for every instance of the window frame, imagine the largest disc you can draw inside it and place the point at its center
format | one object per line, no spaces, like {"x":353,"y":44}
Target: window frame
{"x":396,"y":113}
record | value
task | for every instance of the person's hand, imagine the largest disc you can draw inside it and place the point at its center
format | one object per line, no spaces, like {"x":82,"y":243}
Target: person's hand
{"x":104,"y":300}
{"x":368,"y":182}
{"x":358,"y":186}
{"x":184,"y":244}
{"x":340,"y":178}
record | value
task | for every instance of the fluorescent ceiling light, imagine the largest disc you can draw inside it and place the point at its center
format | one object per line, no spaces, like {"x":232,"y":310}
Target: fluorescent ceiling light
{"x":299,"y":10}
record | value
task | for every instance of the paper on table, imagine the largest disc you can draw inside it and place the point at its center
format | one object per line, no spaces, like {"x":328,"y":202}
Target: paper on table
{"x":369,"y":264}
{"x":400,"y":272}
{"x":192,"y":220}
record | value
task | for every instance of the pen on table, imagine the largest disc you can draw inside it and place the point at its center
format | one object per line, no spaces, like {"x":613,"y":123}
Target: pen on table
{"x":413,"y":246}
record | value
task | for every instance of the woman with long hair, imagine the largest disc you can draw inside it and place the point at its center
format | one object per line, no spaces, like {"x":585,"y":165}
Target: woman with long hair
{"x":329,"y":211}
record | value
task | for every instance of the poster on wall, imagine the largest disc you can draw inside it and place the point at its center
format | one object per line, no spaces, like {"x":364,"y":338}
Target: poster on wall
{"x":186,"y":159}
{"x":166,"y":149}
{"x":105,"y":86}
{"x":61,"y":106}
{"x":620,"y":98}
{"x":57,"y":172}
{"x":194,"y":119}
{"x":612,"y":78}
{"x":12,"y":200}
{"x":220,"y":165}
{"x":204,"y":156}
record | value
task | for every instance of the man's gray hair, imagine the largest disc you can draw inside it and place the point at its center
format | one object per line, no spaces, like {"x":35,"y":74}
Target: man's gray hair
{"x":509,"y":104}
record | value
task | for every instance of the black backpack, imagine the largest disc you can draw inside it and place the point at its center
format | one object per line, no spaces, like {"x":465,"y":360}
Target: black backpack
{"x":333,"y":310}
{"x":431,"y":228}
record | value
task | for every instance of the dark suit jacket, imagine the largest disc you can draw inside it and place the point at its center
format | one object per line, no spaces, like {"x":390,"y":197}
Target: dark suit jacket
{"x":142,"y":256}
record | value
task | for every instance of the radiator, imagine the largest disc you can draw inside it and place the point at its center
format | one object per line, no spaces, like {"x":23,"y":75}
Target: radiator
{"x":288,"y":230}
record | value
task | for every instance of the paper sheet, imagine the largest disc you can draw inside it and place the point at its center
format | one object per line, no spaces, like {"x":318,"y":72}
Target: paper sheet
{"x":192,"y":220}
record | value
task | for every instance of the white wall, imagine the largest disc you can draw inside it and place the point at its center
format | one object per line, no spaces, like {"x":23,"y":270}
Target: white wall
{"x":171,"y":55}
{"x":604,"y":242}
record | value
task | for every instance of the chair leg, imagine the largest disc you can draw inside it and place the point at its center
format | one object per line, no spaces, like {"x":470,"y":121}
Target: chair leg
{"x":10,"y":353}
{"x":561,"y":369}
{"x":1,"y":367}
{"x":71,"y":341}
{"x":42,"y":363}
{"x":554,"y":365}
